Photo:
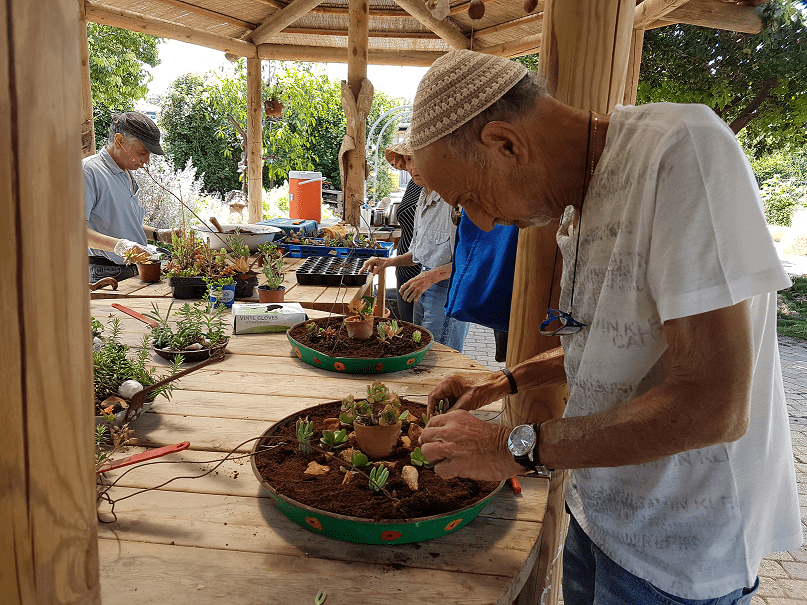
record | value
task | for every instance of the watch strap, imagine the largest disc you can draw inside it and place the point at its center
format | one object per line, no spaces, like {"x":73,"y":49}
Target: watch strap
{"x":511,"y":380}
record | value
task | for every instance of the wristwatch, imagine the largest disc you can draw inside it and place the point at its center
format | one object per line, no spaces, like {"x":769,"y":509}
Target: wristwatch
{"x":523,"y":444}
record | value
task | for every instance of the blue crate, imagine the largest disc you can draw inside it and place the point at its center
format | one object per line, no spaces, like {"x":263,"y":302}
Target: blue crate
{"x":292,"y":225}
{"x":304,"y":251}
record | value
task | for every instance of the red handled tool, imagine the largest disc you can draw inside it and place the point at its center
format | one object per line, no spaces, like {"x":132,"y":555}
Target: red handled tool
{"x":515,"y":485}
{"x":135,"y":314}
{"x":143,"y":456}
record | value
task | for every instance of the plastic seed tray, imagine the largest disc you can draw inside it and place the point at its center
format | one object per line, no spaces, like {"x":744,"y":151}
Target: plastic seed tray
{"x":331,"y":271}
{"x":304,"y":251}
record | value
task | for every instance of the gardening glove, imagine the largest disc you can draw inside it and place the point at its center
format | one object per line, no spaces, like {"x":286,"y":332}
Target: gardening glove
{"x":459,"y":444}
{"x":124,"y":245}
{"x":165,"y":235}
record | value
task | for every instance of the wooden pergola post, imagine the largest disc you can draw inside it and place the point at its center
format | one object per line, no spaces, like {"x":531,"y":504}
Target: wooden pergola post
{"x":584,"y":56}
{"x":358,"y":36}
{"x":48,"y":541}
{"x":87,"y":124}
{"x":254,"y":150}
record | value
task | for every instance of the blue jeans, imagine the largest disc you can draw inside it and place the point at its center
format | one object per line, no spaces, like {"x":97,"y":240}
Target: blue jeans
{"x":430,"y":313}
{"x":591,"y":578}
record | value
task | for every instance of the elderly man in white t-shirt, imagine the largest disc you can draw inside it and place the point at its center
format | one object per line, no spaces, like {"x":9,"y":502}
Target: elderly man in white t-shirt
{"x":676,"y":425}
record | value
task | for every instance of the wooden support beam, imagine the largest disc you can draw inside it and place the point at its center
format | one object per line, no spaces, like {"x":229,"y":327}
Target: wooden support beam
{"x":87,"y":123}
{"x":584,"y":56}
{"x":650,"y":11}
{"x":99,"y":13}
{"x":355,"y":161}
{"x":532,"y":18}
{"x":453,"y":36}
{"x":527,"y":45}
{"x":634,"y":65}
{"x":310,"y":31}
{"x":48,"y":541}
{"x":205,"y":12}
{"x":716,"y":15}
{"x":327,"y":54}
{"x":280,"y":20}
{"x":254,"y":149}
{"x":374,"y":12}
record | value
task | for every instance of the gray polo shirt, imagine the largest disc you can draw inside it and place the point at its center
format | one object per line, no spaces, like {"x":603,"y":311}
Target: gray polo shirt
{"x":433,"y":237}
{"x":113,"y":202}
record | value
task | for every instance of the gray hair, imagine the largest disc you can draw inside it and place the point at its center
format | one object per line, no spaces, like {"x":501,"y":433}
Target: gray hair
{"x":116,"y":127}
{"x":521,"y":98}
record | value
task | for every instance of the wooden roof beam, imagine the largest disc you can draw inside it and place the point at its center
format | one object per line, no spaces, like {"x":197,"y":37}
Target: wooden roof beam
{"x":205,"y":12}
{"x":528,"y":45}
{"x":650,"y":11}
{"x":716,"y":15}
{"x":280,"y":20}
{"x":327,"y":54}
{"x":98,"y":13}
{"x":311,"y":31}
{"x":515,"y":23}
{"x":417,"y":8}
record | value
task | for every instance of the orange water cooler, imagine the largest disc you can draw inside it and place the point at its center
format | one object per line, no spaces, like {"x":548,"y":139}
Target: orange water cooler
{"x":305,"y":195}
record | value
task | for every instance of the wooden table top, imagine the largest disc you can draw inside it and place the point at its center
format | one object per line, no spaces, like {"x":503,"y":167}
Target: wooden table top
{"x":220,"y":538}
{"x":321,"y":298}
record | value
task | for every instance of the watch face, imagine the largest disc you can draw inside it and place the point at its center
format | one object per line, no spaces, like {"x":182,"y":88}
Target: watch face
{"x":521,"y":440}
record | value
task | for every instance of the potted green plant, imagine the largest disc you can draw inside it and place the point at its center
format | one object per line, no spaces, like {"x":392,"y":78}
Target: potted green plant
{"x":272,"y":257}
{"x":221,"y":291}
{"x":118,"y":375}
{"x":359,"y":320}
{"x":240,"y":268}
{"x":197,"y":333}
{"x":148,"y":265}
{"x":377,"y":420}
{"x":272,"y":106}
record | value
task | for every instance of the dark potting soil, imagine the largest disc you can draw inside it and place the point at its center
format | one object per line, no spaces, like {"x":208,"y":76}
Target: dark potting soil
{"x":373,"y":348}
{"x":283,"y":468}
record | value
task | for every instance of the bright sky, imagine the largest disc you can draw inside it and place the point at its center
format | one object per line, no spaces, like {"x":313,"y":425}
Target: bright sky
{"x":178,"y":58}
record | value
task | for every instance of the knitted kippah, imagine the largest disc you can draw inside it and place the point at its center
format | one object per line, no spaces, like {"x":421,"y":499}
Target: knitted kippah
{"x":458,"y":87}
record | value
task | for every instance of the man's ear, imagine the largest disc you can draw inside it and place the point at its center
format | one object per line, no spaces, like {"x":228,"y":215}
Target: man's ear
{"x":505,"y":140}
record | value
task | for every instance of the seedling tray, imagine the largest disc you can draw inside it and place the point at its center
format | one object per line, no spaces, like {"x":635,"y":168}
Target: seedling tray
{"x":331,"y":271}
{"x":304,"y":251}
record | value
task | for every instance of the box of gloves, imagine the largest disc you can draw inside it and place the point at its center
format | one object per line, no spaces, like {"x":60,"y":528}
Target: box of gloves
{"x":260,"y":318}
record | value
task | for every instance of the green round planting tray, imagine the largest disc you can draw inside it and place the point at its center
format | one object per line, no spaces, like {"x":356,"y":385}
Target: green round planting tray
{"x":355,"y":365}
{"x":357,"y":529}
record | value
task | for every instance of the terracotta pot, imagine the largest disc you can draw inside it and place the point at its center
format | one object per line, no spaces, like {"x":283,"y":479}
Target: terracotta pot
{"x":149,"y":272}
{"x":271,"y":296}
{"x":377,"y":441}
{"x":359,"y":328}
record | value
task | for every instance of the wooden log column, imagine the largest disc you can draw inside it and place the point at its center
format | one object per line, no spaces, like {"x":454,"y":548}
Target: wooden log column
{"x":357,"y":40}
{"x":48,"y":542}
{"x":254,"y":149}
{"x":584,"y":56}
{"x":87,"y":124}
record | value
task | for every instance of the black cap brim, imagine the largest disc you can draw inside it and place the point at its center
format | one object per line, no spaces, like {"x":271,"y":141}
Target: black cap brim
{"x":153,"y":147}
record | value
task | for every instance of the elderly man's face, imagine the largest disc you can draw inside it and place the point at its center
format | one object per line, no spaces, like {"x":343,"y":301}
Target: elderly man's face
{"x":488,"y":196}
{"x":409,"y":166}
{"x":133,"y":154}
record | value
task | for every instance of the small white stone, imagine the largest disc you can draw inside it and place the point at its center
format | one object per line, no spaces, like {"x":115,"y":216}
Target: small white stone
{"x":128,"y":389}
{"x":197,"y":346}
{"x":410,"y":475}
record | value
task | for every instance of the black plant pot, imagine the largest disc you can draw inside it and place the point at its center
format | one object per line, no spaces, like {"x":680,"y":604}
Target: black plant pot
{"x":244,"y":288}
{"x":188,"y":287}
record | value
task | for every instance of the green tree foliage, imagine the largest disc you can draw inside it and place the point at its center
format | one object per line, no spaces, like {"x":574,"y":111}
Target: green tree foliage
{"x":755,"y":83}
{"x":782,"y":178}
{"x":193,"y":119}
{"x":306,"y":137}
{"x":118,"y":73}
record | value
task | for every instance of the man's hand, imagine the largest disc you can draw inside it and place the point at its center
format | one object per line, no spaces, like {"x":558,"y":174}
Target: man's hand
{"x":460,"y":445}
{"x":415,"y":287}
{"x":469,"y":391}
{"x":375,"y":265}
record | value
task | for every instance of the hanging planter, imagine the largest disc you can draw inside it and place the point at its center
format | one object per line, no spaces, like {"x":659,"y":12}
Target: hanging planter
{"x":273,"y":108}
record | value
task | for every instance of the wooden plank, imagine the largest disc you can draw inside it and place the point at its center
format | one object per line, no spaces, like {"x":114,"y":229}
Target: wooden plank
{"x":135,"y":572}
{"x":48,"y":545}
{"x":490,"y":546}
{"x":106,"y":15}
{"x":311,"y":31}
{"x":650,"y":11}
{"x":716,"y":15}
{"x":280,"y":20}
{"x":524,"y":46}
{"x":87,"y":123}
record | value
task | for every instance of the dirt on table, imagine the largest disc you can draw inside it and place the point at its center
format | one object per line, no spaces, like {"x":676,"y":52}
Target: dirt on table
{"x":283,"y":468}
{"x":343,"y":345}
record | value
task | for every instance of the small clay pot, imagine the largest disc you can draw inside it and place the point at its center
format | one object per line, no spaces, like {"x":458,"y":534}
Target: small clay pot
{"x":360,"y":328}
{"x":273,"y":108}
{"x":377,"y":441}
{"x":271,"y":296}
{"x":149,"y":272}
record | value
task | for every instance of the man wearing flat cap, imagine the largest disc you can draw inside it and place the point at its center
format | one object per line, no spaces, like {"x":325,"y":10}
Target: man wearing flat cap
{"x":114,"y":214}
{"x":676,"y":428}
